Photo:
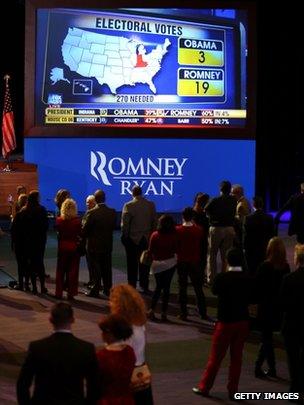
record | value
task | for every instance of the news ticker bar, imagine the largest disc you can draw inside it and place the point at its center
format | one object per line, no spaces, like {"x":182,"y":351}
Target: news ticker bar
{"x":135,"y":116}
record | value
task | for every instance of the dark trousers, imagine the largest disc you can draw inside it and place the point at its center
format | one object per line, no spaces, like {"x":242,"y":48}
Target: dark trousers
{"x":266,"y":351}
{"x":101,"y":270}
{"x":23,"y":271}
{"x":144,"y":397}
{"x":294,"y":345}
{"x":67,"y":268}
{"x":193,"y":270}
{"x":226,"y":335}
{"x":136,"y":270}
{"x":36,"y":268}
{"x":163,"y":283}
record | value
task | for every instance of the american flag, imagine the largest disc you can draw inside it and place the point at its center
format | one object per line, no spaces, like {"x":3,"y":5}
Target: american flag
{"x":8,"y":130}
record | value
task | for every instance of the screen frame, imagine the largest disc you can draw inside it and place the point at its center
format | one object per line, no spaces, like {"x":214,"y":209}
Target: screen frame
{"x":85,"y":131}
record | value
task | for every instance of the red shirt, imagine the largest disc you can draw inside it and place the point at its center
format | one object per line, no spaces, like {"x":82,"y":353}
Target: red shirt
{"x":163,"y":245}
{"x":190,"y":242}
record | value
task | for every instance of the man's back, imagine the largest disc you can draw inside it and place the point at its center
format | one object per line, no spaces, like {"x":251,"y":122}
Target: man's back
{"x":60,"y":363}
{"x":138,"y":219}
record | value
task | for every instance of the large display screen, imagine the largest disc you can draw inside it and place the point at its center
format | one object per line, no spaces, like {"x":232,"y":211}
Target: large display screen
{"x":141,"y":68}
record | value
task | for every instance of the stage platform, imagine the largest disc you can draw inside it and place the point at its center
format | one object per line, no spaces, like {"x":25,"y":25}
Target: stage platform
{"x":176,"y":351}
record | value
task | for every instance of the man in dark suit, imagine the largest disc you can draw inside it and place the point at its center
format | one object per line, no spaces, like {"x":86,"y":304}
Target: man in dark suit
{"x":98,"y":226}
{"x":61,"y":366}
{"x":295,"y":205}
{"x":138,"y":220}
{"x":258,"y":230}
{"x":292,"y":299}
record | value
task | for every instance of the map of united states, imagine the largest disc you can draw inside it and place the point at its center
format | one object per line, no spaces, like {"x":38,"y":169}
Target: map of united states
{"x":113,"y":60}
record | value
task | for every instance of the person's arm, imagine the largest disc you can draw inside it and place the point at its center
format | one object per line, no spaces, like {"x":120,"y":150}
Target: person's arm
{"x":25,"y":379}
{"x":125,"y":222}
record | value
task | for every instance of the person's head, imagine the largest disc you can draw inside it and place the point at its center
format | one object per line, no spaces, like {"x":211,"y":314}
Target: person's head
{"x":166,"y":224}
{"x":21,"y":190}
{"x":302,"y":187}
{"x":61,"y":195}
{"x":100,"y":196}
{"x":276,"y":252}
{"x":201,"y":199}
{"x":22,"y":200}
{"x":68,"y":209}
{"x":237,"y":191}
{"x":114,"y":328}
{"x":258,"y":203}
{"x":299,"y":255}
{"x":234,"y":257}
{"x":33,"y":199}
{"x":90,"y":201}
{"x":126,"y":301}
{"x":225,"y":187}
{"x":62,"y":316}
{"x":188,"y":214}
{"x":136,"y":191}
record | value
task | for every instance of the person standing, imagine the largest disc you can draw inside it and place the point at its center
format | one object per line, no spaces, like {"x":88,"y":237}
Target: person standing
{"x":258,"y":230}
{"x":292,"y":301}
{"x":221,"y":212}
{"x":68,"y":226}
{"x":98,"y":226}
{"x":234,"y":291}
{"x":268,"y":284}
{"x":126,"y":301}
{"x":61,"y":365}
{"x":90,"y":204}
{"x":190,"y":240}
{"x":138,"y":221}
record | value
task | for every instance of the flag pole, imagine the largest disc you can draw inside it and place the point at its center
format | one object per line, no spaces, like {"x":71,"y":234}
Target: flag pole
{"x":7,"y":168}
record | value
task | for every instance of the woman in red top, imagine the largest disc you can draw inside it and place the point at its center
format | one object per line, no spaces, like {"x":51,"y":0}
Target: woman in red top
{"x":116,"y":362}
{"x":68,"y":226}
{"x":163,"y":248}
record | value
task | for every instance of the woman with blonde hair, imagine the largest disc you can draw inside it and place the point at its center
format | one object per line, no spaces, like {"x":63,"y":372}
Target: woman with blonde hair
{"x":269,"y":279}
{"x":68,"y":226}
{"x":126,"y":301}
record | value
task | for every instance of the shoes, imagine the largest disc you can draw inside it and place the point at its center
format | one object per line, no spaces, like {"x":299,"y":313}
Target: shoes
{"x":92,"y":293}
{"x":198,"y":391}
{"x":259,"y":373}
{"x":271,"y":373}
{"x":71,"y":298}
{"x":163,"y":317}
{"x":208,"y":318}
{"x":18,"y":287}
{"x":145,"y":291}
{"x":151,"y":315}
{"x":44,"y":290}
{"x":182,"y":317}
{"x":58,"y":297}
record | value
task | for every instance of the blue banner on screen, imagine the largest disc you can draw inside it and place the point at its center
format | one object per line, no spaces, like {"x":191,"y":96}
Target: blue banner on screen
{"x":141,"y":67}
{"x":169,"y":171}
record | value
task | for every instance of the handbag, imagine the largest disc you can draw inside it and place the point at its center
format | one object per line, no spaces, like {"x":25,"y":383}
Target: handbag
{"x":146,"y":258}
{"x":141,"y":378}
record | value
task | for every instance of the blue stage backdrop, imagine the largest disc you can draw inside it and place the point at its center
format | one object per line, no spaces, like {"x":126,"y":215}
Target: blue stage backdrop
{"x":170,"y":171}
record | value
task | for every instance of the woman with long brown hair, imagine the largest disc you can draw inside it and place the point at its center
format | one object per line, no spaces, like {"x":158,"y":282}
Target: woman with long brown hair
{"x":126,"y":301}
{"x":268,"y":283}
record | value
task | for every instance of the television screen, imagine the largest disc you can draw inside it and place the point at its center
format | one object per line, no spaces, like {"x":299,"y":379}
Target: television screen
{"x":141,"y":68}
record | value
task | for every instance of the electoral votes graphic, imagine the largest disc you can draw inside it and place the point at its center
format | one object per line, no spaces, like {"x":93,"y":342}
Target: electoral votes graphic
{"x":103,"y":60}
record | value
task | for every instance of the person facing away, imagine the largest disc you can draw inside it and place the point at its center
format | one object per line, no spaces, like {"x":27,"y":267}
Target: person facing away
{"x":295,"y":205}
{"x":292,"y":301}
{"x":21,"y":190}
{"x":116,"y":362}
{"x":126,"y":301}
{"x":221,"y":212}
{"x":62,"y":368}
{"x":90,"y":204}
{"x":138,"y":221}
{"x":190,"y":241}
{"x":258,"y":230}
{"x":163,"y":247}
{"x":269,"y":316}
{"x":68,"y":226}
{"x":243,"y":207}
{"x":61,"y":195}
{"x":234,"y":291}
{"x":98,"y":227}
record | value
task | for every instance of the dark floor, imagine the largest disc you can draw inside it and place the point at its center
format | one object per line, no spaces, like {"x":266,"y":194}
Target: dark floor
{"x":176,"y":351}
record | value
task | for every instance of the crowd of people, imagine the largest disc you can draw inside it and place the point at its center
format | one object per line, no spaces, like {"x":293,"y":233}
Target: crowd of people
{"x":253,"y":270}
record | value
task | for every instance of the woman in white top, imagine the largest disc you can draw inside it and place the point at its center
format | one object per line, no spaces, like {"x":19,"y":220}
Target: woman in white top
{"x":127,"y":302}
